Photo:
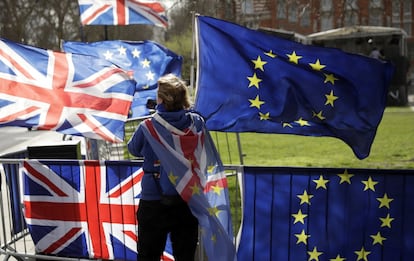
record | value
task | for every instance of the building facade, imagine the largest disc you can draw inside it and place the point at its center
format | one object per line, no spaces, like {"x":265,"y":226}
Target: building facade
{"x":311,"y":16}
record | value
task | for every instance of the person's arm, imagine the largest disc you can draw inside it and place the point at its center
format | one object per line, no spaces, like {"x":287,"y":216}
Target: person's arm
{"x":136,"y":142}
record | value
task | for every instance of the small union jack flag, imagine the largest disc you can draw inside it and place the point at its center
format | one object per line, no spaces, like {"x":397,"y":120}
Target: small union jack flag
{"x":69,"y":93}
{"x":122,"y":12}
{"x":83,"y":209}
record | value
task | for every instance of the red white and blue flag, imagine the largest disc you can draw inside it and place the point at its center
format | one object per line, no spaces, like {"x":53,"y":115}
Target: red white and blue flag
{"x":83,"y":209}
{"x":69,"y":93}
{"x":196,"y":170}
{"x":146,"y":60}
{"x":122,"y":12}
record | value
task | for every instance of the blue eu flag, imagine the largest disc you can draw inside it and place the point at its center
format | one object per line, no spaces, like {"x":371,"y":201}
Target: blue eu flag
{"x":249,"y":81}
{"x":146,"y":60}
{"x":327,"y":214}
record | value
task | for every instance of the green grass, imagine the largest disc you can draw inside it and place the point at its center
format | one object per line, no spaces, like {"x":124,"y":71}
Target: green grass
{"x":393,"y":147}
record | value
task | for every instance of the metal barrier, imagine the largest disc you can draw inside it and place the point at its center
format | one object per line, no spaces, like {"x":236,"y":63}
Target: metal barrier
{"x":15,"y":240}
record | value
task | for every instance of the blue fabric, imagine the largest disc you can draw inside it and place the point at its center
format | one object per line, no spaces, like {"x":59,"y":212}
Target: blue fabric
{"x":371,"y":210}
{"x":250,"y":81}
{"x":146,"y":60}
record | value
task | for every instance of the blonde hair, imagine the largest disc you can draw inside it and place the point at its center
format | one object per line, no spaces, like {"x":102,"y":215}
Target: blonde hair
{"x":173,"y":92}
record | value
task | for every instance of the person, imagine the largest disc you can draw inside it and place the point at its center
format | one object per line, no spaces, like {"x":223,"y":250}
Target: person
{"x":376,"y":54}
{"x":161,"y":210}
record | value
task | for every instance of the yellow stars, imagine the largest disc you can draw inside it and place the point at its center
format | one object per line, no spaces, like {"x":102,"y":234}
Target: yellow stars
{"x":264,"y":116}
{"x":254,"y":81}
{"x":330,"y":78}
{"x":362,"y":254}
{"x":299,"y":217}
{"x":386,"y":222}
{"x":213,"y":211}
{"x":338,"y":258}
{"x":302,"y":238}
{"x":369,"y":184}
{"x":345,"y":177}
{"x":293,"y":58}
{"x":318,"y":115}
{"x":305,"y":198}
{"x":317,"y":66}
{"x":385,"y":201}
{"x":217,"y":189}
{"x":195,"y":189}
{"x":314,"y":254}
{"x":302,"y":122}
{"x":287,"y":125}
{"x":258,"y":63}
{"x":330,"y":98}
{"x":377,"y":239}
{"x":270,"y":54}
{"x":321,"y":182}
{"x":173,"y":179}
{"x":256,"y":102}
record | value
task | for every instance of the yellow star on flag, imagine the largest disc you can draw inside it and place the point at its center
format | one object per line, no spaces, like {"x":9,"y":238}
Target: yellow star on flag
{"x":321,"y":182}
{"x":314,"y":254}
{"x":258,"y":63}
{"x":214,"y":211}
{"x":302,"y":238}
{"x":254,"y":81}
{"x":294,"y":58}
{"x":195,"y":189}
{"x":270,"y":54}
{"x":345,"y":177}
{"x":317,"y":66}
{"x":386,"y":222}
{"x":256,"y":102}
{"x":337,"y":258}
{"x":330,"y":78}
{"x":318,"y":115}
{"x":362,"y":254}
{"x":146,"y":63}
{"x":217,"y":189}
{"x":264,"y":116}
{"x":299,"y":217}
{"x":369,"y":184}
{"x":173,"y":178}
{"x":305,"y":198}
{"x":330,"y":98}
{"x":385,"y":201}
{"x":287,"y":124}
{"x":302,"y":122}
{"x":377,"y":239}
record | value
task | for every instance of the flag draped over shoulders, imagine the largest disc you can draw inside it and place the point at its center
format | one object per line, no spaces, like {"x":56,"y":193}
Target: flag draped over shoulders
{"x":70,"y":93}
{"x":249,"y":81}
{"x":145,"y":60}
{"x":195,"y":169}
{"x":122,"y":12}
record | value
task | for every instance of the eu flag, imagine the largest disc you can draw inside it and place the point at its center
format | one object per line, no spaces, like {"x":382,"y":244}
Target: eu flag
{"x":249,"y":81}
{"x":146,"y":60}
{"x":327,"y":214}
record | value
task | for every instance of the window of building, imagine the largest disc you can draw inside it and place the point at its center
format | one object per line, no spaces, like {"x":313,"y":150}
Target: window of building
{"x":293,"y":13}
{"x":375,"y":4}
{"x":326,"y":21}
{"x":351,"y":18}
{"x":351,"y":5}
{"x":281,"y":9}
{"x":326,"y":5}
{"x":305,"y":15}
{"x":407,"y":9}
{"x":247,"y":6}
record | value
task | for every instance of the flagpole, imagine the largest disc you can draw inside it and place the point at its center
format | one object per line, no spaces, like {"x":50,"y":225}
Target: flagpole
{"x":192,"y":52}
{"x":241,"y":155}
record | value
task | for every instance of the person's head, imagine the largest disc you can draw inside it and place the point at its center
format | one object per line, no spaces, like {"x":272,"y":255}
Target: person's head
{"x":172,"y":93}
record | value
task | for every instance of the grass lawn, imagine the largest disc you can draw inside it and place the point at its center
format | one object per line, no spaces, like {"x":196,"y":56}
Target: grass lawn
{"x":393,"y":147}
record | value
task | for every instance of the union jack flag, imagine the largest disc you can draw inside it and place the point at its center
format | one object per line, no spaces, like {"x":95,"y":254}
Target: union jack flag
{"x":69,"y":93}
{"x":147,"y":60}
{"x":196,"y":170}
{"x":122,"y":12}
{"x":83,"y":209}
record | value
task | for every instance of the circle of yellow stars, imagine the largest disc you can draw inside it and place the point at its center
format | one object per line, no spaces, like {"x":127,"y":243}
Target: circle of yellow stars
{"x":255,"y":82}
{"x":362,"y":254}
